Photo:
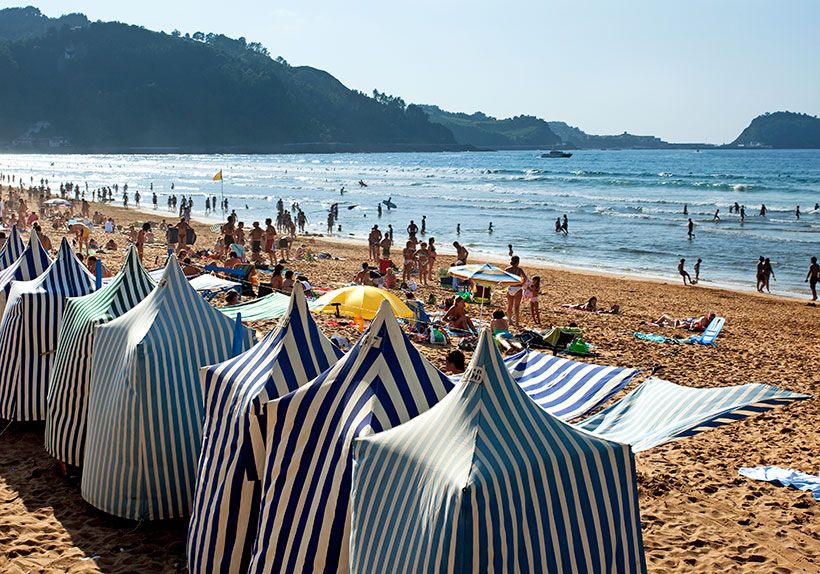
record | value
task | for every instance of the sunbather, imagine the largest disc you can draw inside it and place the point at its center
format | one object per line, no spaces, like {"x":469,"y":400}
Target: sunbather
{"x":501,"y":332}
{"x":456,"y":317}
{"x":591,"y":305}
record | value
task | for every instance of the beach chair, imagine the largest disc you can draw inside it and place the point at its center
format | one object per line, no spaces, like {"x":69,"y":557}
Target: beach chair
{"x":710,"y":334}
{"x":421,"y":320}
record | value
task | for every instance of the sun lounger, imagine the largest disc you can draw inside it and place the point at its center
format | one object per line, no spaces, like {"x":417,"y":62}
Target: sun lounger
{"x":710,"y":334}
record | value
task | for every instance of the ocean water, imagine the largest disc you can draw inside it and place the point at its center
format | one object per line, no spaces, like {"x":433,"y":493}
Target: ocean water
{"x":625,"y":208}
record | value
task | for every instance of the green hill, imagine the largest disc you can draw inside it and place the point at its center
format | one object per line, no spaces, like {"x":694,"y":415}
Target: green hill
{"x":113,"y":87}
{"x":485,"y":131}
{"x":786,"y":130}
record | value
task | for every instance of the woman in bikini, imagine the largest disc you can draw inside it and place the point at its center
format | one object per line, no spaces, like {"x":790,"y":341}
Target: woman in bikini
{"x":515,"y":292}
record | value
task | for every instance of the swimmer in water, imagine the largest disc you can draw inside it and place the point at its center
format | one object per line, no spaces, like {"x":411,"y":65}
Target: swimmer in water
{"x":763,"y":210}
{"x":685,"y":209}
{"x":557,"y":225}
{"x":717,"y":215}
{"x":490,"y":229}
{"x":458,"y":229}
{"x":691,"y":225}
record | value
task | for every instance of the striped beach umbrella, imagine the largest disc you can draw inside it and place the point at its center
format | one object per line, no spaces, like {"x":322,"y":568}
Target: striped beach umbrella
{"x":29,"y":332}
{"x":12,"y":249}
{"x":228,"y":491}
{"x":304,"y":521}
{"x":658,"y":411}
{"x":486,"y":481}
{"x":30,"y":265}
{"x":145,"y":402}
{"x":68,"y":390}
{"x":485,"y":274}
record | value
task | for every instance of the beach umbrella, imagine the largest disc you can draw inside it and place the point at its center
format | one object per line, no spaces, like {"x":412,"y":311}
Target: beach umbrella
{"x":360,"y":301}
{"x":485,"y":274}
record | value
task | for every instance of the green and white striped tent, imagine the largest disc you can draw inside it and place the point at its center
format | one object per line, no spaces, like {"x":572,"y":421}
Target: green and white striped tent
{"x":68,"y":391}
{"x":12,"y":249}
{"x":486,"y":481}
{"x":29,"y":331}
{"x":145,"y":404}
{"x":271,"y":306}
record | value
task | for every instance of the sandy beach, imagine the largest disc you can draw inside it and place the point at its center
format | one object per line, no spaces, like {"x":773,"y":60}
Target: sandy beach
{"x":698,"y":514}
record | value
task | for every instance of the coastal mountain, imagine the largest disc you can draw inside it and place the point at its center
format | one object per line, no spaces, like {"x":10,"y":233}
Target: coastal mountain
{"x":786,"y":130}
{"x":529,"y":132}
{"x":72,"y":85}
{"x":483,"y":131}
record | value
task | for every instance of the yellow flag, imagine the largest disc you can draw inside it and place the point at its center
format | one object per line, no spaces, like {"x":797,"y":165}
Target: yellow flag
{"x":218,"y":176}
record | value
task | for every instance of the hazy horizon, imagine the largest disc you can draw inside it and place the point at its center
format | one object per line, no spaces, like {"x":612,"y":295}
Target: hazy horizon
{"x":698,"y":71}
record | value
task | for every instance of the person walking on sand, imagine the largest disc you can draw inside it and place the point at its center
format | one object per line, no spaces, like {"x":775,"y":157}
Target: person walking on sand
{"x":146,"y":227}
{"x":683,"y":272}
{"x":691,"y":226}
{"x":813,"y":277}
{"x":515,"y":292}
{"x":697,"y":270}
{"x":768,"y":273}
{"x":461,"y":252}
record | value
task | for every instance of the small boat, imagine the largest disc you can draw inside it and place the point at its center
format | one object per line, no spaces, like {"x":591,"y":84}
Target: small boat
{"x":556,"y":153}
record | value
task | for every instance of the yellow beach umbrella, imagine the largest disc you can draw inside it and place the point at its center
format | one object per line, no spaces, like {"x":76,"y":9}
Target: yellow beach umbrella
{"x":360,"y":301}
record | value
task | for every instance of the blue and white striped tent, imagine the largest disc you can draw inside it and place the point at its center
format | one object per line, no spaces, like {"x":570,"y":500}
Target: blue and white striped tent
{"x":30,"y":265}
{"x":29,"y":331}
{"x":145,"y":404}
{"x":486,"y":481}
{"x":564,"y":388}
{"x":228,"y":492}
{"x":659,"y":411}
{"x":383,"y":381}
{"x":68,"y":390}
{"x":12,"y":249}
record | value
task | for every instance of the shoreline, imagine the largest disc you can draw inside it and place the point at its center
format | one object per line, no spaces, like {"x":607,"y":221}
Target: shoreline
{"x":528,"y":261}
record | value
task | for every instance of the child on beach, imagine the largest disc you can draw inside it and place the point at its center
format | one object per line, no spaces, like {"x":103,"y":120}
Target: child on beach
{"x":534,"y":292}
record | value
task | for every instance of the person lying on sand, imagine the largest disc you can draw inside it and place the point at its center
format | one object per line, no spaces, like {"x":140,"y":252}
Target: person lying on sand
{"x":501,"y":332}
{"x":456,"y":317}
{"x":591,"y":305}
{"x":691,"y":323}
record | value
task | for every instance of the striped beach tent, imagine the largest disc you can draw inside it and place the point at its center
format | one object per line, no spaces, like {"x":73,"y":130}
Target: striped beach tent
{"x":271,"y":306}
{"x":29,"y":331}
{"x":486,"y":481}
{"x":304,"y":520}
{"x":658,"y":411}
{"x":145,"y":405}
{"x":226,"y":501}
{"x":565,"y":388}
{"x":12,"y":249}
{"x":205,"y":283}
{"x":31,"y":264}
{"x":68,"y":390}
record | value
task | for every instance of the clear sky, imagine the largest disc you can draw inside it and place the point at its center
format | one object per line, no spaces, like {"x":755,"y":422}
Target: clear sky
{"x":691,"y":70}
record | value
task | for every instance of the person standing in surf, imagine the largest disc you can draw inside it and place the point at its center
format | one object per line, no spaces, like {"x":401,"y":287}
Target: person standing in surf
{"x":813,"y":277}
{"x":683,"y":273}
{"x":691,"y":225}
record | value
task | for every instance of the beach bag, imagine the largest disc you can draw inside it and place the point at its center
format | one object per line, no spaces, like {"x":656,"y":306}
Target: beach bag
{"x":578,"y":347}
{"x":468,"y":344}
{"x":437,"y":337}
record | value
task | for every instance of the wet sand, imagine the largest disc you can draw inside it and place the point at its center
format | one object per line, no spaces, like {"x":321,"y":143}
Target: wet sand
{"x":697,"y":514}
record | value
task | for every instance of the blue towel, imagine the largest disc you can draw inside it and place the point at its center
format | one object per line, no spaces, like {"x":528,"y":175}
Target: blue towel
{"x":661,"y":339}
{"x":785,"y":477}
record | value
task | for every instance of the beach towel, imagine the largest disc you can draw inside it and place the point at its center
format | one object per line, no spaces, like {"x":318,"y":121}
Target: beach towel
{"x":785,"y":477}
{"x":662,"y":339}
